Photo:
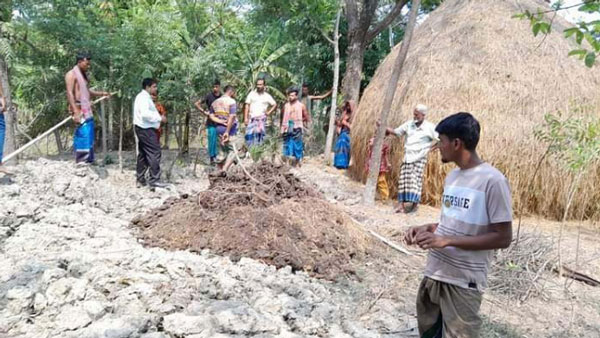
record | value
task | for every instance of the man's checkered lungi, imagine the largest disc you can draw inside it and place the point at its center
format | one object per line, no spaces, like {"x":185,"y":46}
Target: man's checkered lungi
{"x":410,"y":183}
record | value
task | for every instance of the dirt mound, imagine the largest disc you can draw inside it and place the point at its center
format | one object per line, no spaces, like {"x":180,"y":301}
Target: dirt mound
{"x":266,"y":214}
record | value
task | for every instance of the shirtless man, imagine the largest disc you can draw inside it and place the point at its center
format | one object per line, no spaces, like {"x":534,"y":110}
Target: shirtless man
{"x":80,"y":106}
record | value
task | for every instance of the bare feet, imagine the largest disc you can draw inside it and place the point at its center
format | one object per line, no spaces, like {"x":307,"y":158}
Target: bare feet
{"x":412,"y":209}
{"x":400,"y":209}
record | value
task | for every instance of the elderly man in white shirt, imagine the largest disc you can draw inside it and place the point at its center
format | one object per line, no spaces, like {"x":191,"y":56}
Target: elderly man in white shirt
{"x":420,"y":138}
{"x":147,"y":121}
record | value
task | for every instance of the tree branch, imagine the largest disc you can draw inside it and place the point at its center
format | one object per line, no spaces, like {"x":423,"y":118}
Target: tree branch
{"x":326,"y":37}
{"x":372,"y":34}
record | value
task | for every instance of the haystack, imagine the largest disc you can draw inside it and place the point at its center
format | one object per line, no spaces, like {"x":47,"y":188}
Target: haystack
{"x":471,"y":55}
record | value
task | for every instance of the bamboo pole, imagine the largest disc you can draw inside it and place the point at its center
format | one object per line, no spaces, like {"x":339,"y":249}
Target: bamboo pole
{"x":48,"y":132}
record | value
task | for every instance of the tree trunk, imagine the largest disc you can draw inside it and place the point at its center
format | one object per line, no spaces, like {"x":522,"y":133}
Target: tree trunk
{"x":334,"y":90}
{"x":354,"y":65}
{"x":104,"y":127}
{"x":111,"y":122}
{"x":121,"y":137}
{"x":363,"y":28}
{"x":59,"y":145}
{"x":167,"y":134}
{"x":10,"y":115}
{"x":177,"y":129}
{"x":111,"y":109}
{"x":390,"y":91}
{"x":186,"y":133}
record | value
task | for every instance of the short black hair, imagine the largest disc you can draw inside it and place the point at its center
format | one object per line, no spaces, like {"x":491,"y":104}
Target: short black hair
{"x":305,"y":85}
{"x":229,"y":87}
{"x":147,"y":82}
{"x":261,"y":79}
{"x":462,"y":126}
{"x":292,"y":90}
{"x":83,"y":55}
{"x":217,"y":82}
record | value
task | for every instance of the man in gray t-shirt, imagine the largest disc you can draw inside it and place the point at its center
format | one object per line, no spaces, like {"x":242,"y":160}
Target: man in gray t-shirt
{"x":476,"y":219}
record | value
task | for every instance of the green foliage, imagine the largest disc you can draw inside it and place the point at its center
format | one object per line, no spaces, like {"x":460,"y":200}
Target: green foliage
{"x":574,"y":141}
{"x":185,"y":44}
{"x":258,"y":61}
{"x":108,"y":160}
{"x":584,"y":34}
{"x":268,"y":149}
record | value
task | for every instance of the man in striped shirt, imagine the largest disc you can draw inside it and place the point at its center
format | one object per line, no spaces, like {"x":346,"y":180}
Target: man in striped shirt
{"x":476,"y":219}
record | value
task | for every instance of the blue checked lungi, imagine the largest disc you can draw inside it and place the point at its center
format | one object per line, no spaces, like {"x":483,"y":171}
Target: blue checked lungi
{"x":410,"y":184}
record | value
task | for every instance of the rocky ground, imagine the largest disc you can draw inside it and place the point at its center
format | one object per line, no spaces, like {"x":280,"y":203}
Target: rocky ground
{"x":71,"y":265}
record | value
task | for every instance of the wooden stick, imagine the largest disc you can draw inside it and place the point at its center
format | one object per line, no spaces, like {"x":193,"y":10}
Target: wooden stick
{"x":235,"y":152}
{"x":578,"y":276}
{"x":383,"y":239}
{"x":48,"y":132}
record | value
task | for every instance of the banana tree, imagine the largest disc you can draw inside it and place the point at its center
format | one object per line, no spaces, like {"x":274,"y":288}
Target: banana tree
{"x":257,"y":62}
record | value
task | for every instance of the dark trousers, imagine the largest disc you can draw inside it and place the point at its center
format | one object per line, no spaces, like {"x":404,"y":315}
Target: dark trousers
{"x":148,"y":154}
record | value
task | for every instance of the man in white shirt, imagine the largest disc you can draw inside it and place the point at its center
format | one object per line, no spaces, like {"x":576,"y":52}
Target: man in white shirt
{"x":147,"y":121}
{"x":259,"y":105}
{"x":420,"y":137}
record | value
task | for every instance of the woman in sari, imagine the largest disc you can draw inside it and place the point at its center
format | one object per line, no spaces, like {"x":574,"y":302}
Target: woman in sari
{"x":342,"y":145}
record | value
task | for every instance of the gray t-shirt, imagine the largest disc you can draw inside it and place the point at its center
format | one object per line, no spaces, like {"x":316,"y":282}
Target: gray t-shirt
{"x":472,"y":200}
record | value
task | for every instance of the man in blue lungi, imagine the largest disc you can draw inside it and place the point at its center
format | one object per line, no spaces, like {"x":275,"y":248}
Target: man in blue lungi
{"x":78,"y":96}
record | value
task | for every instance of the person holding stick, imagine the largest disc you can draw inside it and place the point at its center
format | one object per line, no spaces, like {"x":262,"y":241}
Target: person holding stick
{"x":80,"y":106}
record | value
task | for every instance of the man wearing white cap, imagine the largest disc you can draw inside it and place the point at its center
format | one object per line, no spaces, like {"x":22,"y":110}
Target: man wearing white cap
{"x":420,"y":137}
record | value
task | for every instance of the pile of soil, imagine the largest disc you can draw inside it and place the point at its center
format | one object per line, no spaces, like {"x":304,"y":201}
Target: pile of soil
{"x":266,"y":214}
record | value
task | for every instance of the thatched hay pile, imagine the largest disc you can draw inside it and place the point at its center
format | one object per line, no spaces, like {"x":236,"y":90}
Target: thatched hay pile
{"x":470,"y":55}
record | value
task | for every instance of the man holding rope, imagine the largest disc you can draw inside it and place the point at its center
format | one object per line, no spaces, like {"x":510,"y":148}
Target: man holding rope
{"x":78,"y":96}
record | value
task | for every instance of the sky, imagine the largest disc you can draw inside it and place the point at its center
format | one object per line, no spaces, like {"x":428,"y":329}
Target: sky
{"x":573,"y":15}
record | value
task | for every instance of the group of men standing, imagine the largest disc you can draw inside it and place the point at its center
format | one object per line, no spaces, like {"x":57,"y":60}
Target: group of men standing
{"x":220,"y":109}
{"x":222,"y":125}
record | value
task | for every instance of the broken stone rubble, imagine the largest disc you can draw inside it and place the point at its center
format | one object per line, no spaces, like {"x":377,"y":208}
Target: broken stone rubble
{"x":71,"y":266}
